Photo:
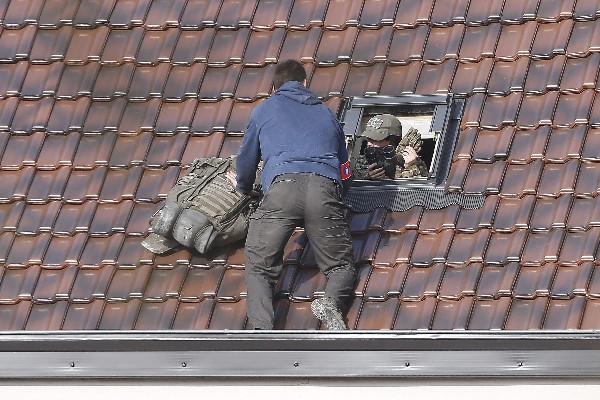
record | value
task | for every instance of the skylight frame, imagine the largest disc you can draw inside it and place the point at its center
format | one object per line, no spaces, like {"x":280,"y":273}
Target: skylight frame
{"x":446,"y":117}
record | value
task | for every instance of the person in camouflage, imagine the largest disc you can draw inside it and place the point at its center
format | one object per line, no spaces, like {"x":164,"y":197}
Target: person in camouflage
{"x":384,"y":133}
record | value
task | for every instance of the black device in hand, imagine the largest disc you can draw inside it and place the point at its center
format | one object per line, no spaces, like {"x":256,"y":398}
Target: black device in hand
{"x":385,"y":157}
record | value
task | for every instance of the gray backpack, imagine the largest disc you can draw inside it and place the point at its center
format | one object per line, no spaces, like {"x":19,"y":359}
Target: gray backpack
{"x":203,"y":210}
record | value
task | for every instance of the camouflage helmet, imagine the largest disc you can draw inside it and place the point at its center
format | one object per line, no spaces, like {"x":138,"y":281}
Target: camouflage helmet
{"x":381,"y":126}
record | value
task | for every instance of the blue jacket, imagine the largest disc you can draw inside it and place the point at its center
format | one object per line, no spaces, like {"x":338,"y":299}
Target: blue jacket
{"x":292,"y":131}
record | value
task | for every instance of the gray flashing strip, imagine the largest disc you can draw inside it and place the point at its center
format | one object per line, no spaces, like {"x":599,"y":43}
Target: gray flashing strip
{"x":368,"y":198}
{"x":298,"y":354}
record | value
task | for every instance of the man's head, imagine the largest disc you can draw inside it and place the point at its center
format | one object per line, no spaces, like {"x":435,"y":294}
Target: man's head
{"x":383,"y":129}
{"x":288,"y":70}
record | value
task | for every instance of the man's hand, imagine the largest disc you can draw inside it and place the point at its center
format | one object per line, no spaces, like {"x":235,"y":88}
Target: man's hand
{"x":374,"y":172}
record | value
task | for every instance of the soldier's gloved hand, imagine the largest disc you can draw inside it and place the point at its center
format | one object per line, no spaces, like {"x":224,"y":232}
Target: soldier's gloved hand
{"x":410,"y":156}
{"x":374,"y":172}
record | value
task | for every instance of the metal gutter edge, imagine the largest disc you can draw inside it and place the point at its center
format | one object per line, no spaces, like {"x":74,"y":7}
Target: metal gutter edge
{"x":293,"y":354}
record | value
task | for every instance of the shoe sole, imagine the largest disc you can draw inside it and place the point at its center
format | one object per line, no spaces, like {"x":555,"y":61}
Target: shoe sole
{"x":332,"y":319}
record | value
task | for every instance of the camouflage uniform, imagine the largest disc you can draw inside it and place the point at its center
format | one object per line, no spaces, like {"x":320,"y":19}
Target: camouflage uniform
{"x":381,"y":127}
{"x":361,"y":167}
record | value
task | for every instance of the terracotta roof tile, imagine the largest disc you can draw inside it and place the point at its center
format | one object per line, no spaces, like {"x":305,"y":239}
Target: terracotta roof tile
{"x":413,"y":12}
{"x":482,"y":13}
{"x":412,"y":315}
{"x":164,"y":14}
{"x":551,"y":39}
{"x":376,"y":13}
{"x":544,"y":75}
{"x":37,"y":218}
{"x":564,"y":314}
{"x":104,"y":106}
{"x":126,"y":14}
{"x":19,"y":13}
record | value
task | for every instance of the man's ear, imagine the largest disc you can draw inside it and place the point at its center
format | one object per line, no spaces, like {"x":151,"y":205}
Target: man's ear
{"x":304,"y":82}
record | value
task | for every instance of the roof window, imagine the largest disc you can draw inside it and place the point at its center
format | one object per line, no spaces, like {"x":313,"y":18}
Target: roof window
{"x":436,"y":119}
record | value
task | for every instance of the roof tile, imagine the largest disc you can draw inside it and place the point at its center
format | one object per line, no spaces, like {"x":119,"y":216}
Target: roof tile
{"x":513,"y":213}
{"x":584,"y":213}
{"x":516,"y":11}
{"x":164,"y":14}
{"x":155,"y":184}
{"x":475,"y":219}
{"x":21,"y":12}
{"x":515,"y":41}
{"x":336,"y":46}
{"x":580,"y":73}
{"x":483,"y":12}
{"x":558,"y":178}
{"x":93,"y":150}
{"x":415,"y":314}
{"x":46,"y":316}
{"x":582,"y":42}
{"x":407,"y":45}
{"x":493,"y":145}
{"x":468,"y":248}
{"x":551,"y":39}
{"x":364,"y":80}
{"x":156,"y":315}
{"x":207,"y":10}
{"x":38,"y":218}
{"x":48,"y":185}
{"x":526,"y":314}
{"x":515,"y":185}
{"x":110,"y":218}
{"x":193,"y":316}
{"x":376,"y":13}
{"x":413,"y":12}
{"x":18,"y":284}
{"x":564,"y":314}
{"x":431,"y":248}
{"x":436,"y":78}
{"x":452,"y":314}
{"x":12,"y":77}
{"x":57,"y":12}
{"x":139,"y":220}
{"x":95,"y":12}
{"x":342,"y":14}
{"x":404,"y":78}
{"x":472,"y":77}
{"x":300,"y":45}
{"x":550,"y":212}
{"x":544,"y":75}
{"x":228,"y":47}
{"x":372,"y":46}
{"x":129,"y":13}
{"x":157,"y":47}
{"x":505,"y":248}
{"x":580,"y":247}
{"x":83,"y":316}
{"x":460,"y":281}
{"x":447,"y":13}
{"x":27,"y":250}
{"x":55,"y":284}
{"x":74,"y":218}
{"x":377,"y":314}
{"x":100,"y":251}
{"x":228,"y":315}
{"x":328,"y":82}
{"x":120,"y":315}
{"x":86,"y":45}
{"x":542,"y":247}
{"x":394,"y":248}
{"x":121,"y":46}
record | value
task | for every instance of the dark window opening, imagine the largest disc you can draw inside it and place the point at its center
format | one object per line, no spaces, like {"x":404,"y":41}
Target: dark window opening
{"x":435,"y":117}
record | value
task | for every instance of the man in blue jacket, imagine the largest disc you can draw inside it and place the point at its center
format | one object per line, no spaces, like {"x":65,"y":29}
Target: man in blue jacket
{"x":305,"y":172}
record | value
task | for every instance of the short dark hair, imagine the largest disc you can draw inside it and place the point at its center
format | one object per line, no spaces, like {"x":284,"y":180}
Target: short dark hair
{"x":288,"y":70}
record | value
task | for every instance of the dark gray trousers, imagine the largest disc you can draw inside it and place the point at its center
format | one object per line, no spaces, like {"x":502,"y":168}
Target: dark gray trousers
{"x":307,"y":200}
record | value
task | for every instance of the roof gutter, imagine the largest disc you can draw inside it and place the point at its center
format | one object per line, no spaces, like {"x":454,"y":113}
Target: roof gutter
{"x":293,"y":354}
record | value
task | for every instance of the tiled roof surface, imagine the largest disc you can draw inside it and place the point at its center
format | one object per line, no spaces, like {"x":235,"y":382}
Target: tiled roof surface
{"x":104,"y":103}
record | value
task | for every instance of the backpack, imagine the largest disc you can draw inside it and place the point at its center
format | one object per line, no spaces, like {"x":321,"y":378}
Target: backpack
{"x":203,"y":210}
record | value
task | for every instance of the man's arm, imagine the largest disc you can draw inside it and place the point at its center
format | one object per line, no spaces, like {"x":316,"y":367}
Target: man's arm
{"x":247,"y":159}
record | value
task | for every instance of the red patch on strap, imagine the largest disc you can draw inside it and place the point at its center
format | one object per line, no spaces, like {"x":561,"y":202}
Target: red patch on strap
{"x":345,"y":170}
